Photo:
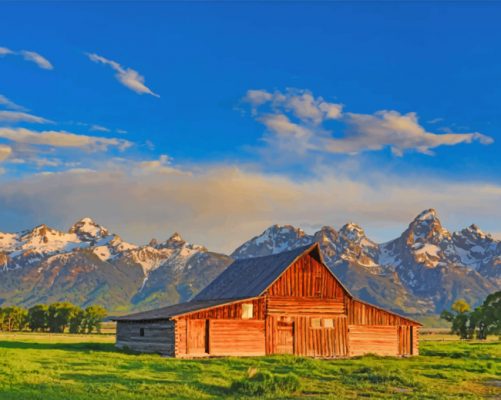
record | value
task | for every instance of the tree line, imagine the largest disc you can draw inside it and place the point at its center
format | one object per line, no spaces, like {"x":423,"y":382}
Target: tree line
{"x":56,"y":318}
{"x":478,"y":323}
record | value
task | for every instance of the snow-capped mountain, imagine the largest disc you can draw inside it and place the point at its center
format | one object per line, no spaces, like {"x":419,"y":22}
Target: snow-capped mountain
{"x":422,"y":271}
{"x":88,"y":264}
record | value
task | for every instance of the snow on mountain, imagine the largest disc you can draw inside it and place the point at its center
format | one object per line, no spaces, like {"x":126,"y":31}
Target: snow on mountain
{"x":275,"y":239}
{"x":87,"y":230}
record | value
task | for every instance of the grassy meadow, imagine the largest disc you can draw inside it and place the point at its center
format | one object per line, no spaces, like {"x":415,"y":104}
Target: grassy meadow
{"x":63,"y":366}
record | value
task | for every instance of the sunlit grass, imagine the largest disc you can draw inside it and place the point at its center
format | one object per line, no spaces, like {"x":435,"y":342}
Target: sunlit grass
{"x":43,"y":366}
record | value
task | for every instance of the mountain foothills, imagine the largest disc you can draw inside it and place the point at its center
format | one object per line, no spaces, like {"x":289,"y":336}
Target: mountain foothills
{"x":423,"y":271}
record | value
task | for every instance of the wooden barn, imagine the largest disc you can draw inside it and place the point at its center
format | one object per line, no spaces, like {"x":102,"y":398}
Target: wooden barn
{"x":288,"y":303}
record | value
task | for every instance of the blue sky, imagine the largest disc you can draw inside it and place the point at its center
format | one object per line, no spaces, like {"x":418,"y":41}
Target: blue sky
{"x":184,"y":113}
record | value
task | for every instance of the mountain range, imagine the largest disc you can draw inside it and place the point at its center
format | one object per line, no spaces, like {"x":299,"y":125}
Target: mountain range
{"x":422,"y":271}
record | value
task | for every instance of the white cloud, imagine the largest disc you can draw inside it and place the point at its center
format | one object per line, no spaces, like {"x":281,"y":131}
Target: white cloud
{"x":295,"y":120}
{"x":5,"y":51}
{"x":4,"y":101}
{"x":17,"y":116}
{"x":62,"y":139}
{"x":30,"y":56}
{"x":397,"y":131}
{"x":5,"y":152}
{"x":99,"y":128}
{"x":221,"y":206}
{"x":301,"y":103}
{"x":38,"y":59}
{"x":127,"y":76}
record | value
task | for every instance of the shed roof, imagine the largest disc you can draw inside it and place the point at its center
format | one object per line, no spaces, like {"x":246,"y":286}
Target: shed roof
{"x":252,"y":276}
{"x":173,"y":310}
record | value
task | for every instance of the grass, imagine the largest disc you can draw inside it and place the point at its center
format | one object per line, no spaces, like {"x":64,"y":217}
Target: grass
{"x":45,"y":366}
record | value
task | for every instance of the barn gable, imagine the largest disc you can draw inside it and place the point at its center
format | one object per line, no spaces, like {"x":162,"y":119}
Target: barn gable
{"x":251,"y":277}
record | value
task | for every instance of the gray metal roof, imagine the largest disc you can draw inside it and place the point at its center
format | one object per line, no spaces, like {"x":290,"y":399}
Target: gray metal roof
{"x":173,"y":310}
{"x":250,"y":277}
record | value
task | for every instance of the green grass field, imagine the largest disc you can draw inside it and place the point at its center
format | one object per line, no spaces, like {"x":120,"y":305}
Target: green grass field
{"x":45,"y":366}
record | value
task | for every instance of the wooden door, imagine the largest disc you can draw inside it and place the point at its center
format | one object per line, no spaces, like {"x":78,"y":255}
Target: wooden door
{"x":285,"y":338}
{"x":197,"y":337}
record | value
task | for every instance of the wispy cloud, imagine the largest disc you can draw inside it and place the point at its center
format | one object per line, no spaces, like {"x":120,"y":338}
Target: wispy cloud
{"x":30,"y":56}
{"x":38,"y":59}
{"x":7,"y":103}
{"x":17,"y":116}
{"x":296,"y":120}
{"x":99,"y":128}
{"x":62,"y":139}
{"x":126,"y":76}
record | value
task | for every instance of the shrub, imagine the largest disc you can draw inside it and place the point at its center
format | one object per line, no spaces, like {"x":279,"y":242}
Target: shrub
{"x":263,"y":383}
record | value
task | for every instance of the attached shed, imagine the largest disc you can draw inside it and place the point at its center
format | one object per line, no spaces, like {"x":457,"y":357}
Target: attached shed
{"x":288,"y":303}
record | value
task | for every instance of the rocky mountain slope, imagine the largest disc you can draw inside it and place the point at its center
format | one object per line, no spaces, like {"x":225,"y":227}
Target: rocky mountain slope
{"x":422,"y":271}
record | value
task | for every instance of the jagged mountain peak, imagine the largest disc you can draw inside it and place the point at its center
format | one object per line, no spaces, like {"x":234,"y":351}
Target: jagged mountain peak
{"x":326,"y":234}
{"x":426,"y":228}
{"x":175,"y":241}
{"x":87,"y":230}
{"x":352,"y":231}
{"x":274,"y":239}
{"x":473,"y":231}
{"x":426,"y":215}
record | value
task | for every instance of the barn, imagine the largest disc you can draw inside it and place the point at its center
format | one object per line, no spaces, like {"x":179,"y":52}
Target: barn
{"x":288,"y":303}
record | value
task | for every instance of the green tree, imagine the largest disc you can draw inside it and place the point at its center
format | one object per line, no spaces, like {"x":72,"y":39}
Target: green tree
{"x":77,"y":321}
{"x":486,"y":319}
{"x":459,"y":319}
{"x":37,"y":317}
{"x":14,"y":318}
{"x":94,"y":315}
{"x":59,"y":316}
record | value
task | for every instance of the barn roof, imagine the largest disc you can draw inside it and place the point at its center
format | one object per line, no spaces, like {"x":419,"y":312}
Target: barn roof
{"x":173,"y":310}
{"x":250,"y":277}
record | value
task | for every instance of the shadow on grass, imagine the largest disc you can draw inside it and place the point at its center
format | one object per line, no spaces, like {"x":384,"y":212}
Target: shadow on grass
{"x":81,"y":347}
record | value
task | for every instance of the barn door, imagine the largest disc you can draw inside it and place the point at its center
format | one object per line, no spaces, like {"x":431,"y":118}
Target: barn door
{"x":285,"y":338}
{"x":198,"y":336}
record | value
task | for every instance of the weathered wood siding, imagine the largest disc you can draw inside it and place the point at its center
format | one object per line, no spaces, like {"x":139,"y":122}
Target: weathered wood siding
{"x":304,"y":306}
{"x":307,"y":278}
{"x":307,"y":340}
{"x":228,"y":333}
{"x":231,"y":311}
{"x":360,"y":313}
{"x":236,"y":338}
{"x":158,"y":336}
{"x":376,"y":339}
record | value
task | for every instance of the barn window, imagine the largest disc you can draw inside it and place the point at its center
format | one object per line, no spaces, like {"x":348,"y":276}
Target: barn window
{"x":318,"y":286}
{"x":328,"y":323}
{"x":141,"y":331}
{"x":315,"y":323}
{"x":247,"y":311}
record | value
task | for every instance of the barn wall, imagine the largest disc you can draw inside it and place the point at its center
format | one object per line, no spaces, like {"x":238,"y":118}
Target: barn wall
{"x":304,"y":306}
{"x":375,"y":339}
{"x":236,"y":338}
{"x":306,"y":339}
{"x":158,"y":336}
{"x":360,"y":313}
{"x":307,"y":278}
{"x":229,"y":334}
